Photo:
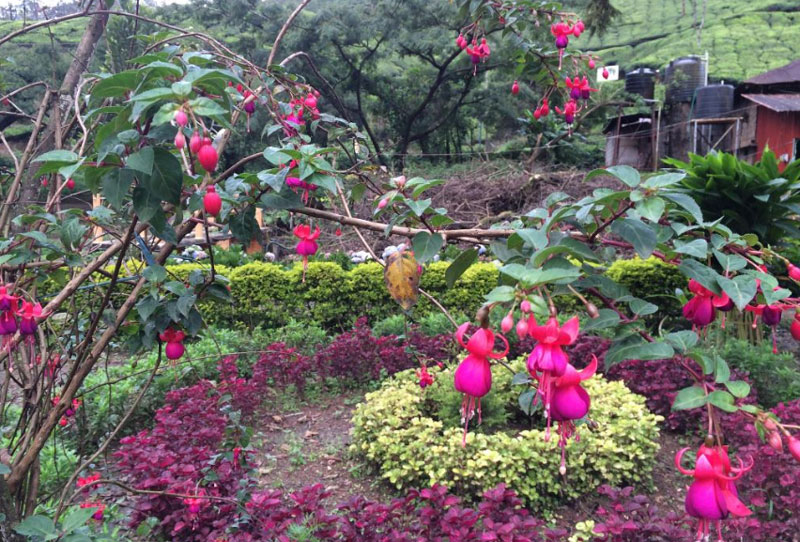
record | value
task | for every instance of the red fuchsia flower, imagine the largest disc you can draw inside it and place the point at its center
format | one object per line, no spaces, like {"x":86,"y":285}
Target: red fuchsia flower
{"x":174,"y":339}
{"x":212,"y":203}
{"x":570,"y":109}
{"x":712,"y":496}
{"x":207,"y":156}
{"x":794,"y":272}
{"x":515,"y":88}
{"x":338,"y":232}
{"x":99,"y":512}
{"x":543,"y":110}
{"x":82,"y":482}
{"x":9,"y":305}
{"x":579,"y":88}
{"x":473,"y":376}
{"x":794,"y":328}
{"x":462,"y":42}
{"x":561,"y":31}
{"x":307,"y":246}
{"x":771,"y":316}
{"x":701,"y":309}
{"x":29,"y":314}
{"x":424,"y":377}
{"x":195,"y":504}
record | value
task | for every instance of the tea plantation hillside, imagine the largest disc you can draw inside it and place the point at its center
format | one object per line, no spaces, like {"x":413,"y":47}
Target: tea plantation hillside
{"x":743,"y":37}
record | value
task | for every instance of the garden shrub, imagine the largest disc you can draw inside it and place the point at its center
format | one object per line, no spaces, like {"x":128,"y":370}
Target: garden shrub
{"x":391,"y":325}
{"x":360,"y":356}
{"x":652,"y":280}
{"x":775,"y":376}
{"x":659,"y":381}
{"x":396,"y":428}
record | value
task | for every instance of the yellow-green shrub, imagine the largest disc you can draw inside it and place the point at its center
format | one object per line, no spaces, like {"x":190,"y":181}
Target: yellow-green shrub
{"x":652,"y":279}
{"x":393,"y":430}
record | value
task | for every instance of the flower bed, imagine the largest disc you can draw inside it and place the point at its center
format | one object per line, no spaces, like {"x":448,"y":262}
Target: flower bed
{"x":401,"y":430}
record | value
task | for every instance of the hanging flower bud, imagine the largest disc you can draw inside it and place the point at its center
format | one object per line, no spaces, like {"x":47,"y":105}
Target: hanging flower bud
{"x":507,"y":323}
{"x":525,"y":306}
{"x":180,"y":118}
{"x":795,"y":329}
{"x":207,"y":156}
{"x":180,"y":140}
{"x":794,"y":447}
{"x":195,"y":142}
{"x":70,"y":184}
{"x":212,"y":203}
{"x":775,"y":442}
{"x":605,"y":73}
{"x":515,"y":88}
{"x":591,"y":64}
{"x":522,"y":328}
{"x":794,"y":272}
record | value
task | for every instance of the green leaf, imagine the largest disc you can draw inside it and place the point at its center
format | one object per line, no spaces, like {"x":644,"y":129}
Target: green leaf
{"x":283,"y":200}
{"x":276,"y":156}
{"x":37,"y":526}
{"x":651,"y":208}
{"x":152,"y":95}
{"x":741,"y":289}
{"x":682,"y":341}
{"x":697,"y":248}
{"x":626,"y":174}
{"x":501,"y":294}
{"x":426,"y":246}
{"x":243,"y":224}
{"x":116,"y":85}
{"x":722,"y":400}
{"x":185,"y":303}
{"x":641,"y":307}
{"x":76,"y":518}
{"x":688,"y":398}
{"x":418,"y":206}
{"x":146,"y":306}
{"x":773,"y":296}
{"x":667,"y":179}
{"x":637,"y":349}
{"x":703,"y":274}
{"x":66,"y":157}
{"x":142,"y":161}
{"x":116,"y":184}
{"x":739,"y":388}
{"x":642,"y":237}
{"x":535,"y":238}
{"x":206,"y":107}
{"x":181,"y":88}
{"x":687,"y":203}
{"x":521,"y":378}
{"x":155,"y":273}
{"x":526,"y":402}
{"x":722,"y":373}
{"x":606,"y":318}
{"x":457,"y":267}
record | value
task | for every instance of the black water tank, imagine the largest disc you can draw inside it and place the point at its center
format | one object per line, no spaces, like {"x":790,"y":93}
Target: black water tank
{"x":641,"y":81}
{"x":683,"y":75}
{"x":713,"y":101}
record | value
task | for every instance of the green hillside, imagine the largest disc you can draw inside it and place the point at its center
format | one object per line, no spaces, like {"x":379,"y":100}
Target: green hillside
{"x":743,"y":38}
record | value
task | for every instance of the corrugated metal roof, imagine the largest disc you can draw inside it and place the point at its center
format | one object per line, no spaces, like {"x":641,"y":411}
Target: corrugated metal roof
{"x":789,"y":73}
{"x":780,"y":103}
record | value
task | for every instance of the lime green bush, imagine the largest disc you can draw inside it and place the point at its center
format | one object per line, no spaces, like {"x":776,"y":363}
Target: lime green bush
{"x":652,"y":280}
{"x":398,"y":428}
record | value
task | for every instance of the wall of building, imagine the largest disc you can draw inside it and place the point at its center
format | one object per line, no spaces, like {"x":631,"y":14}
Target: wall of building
{"x":778,"y":131}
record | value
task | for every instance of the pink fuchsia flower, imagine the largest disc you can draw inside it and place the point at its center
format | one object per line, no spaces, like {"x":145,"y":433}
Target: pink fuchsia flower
{"x":579,"y":88}
{"x":712,"y":496}
{"x":478,"y":53}
{"x":174,"y":339}
{"x":307,"y":246}
{"x":570,"y":110}
{"x":548,"y":355}
{"x":569,"y":402}
{"x":473,"y":376}
{"x":296,"y":183}
{"x":8,"y":302}
{"x":561,"y":31}
{"x":29,"y":314}
{"x":89,"y":480}
{"x":424,"y":377}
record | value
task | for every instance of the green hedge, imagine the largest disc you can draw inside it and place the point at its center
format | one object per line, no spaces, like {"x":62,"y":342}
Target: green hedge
{"x":268,"y":295}
{"x":402,"y":430}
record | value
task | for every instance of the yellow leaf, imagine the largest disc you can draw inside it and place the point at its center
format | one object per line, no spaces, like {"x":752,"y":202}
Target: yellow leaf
{"x":402,"y":278}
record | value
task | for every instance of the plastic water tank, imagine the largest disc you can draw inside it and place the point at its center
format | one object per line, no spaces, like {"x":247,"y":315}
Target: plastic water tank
{"x":713,"y":101}
{"x":682,"y":76}
{"x":641,"y":81}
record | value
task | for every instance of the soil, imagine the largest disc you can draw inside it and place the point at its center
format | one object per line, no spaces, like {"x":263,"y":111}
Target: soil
{"x":308,"y":444}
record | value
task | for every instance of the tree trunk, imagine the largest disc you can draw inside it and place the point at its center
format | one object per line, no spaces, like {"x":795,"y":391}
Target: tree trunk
{"x":8,"y":515}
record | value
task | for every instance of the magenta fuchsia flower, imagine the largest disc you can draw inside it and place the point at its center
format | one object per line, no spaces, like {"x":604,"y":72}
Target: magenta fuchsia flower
{"x":478,"y":53}
{"x":794,"y":272}
{"x":296,"y":183}
{"x":473,"y":376}
{"x":174,"y":339}
{"x":579,"y":88}
{"x":712,"y":496}
{"x":569,"y":402}
{"x":570,"y":110}
{"x":29,"y":314}
{"x":561,"y":31}
{"x":424,"y":377}
{"x":548,"y":356}
{"x":307,"y":246}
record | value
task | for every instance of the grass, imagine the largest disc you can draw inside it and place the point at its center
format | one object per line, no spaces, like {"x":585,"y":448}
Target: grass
{"x":743,"y":38}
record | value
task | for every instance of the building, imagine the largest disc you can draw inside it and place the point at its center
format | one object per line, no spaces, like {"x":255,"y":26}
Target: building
{"x":775,"y":97}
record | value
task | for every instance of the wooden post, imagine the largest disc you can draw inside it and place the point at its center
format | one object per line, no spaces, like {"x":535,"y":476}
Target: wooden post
{"x":618,"y":136}
{"x":97,"y":201}
{"x":255,"y":246}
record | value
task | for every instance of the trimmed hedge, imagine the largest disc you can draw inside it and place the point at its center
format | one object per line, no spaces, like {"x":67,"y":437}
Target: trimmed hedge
{"x":268,"y":295}
{"x":397,"y":429}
